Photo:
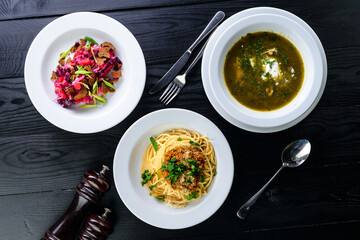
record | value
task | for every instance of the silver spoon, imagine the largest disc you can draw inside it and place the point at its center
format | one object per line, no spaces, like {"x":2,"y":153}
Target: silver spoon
{"x":292,"y":156}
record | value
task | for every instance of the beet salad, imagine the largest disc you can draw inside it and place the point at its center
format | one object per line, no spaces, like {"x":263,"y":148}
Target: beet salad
{"x":86,"y":73}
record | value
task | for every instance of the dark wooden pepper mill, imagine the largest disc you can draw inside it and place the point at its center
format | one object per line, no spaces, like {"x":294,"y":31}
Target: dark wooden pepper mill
{"x":88,"y":193}
{"x":97,"y":227}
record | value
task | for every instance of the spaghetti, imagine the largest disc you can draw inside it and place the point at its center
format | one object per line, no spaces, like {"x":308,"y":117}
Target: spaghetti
{"x":179,"y":166}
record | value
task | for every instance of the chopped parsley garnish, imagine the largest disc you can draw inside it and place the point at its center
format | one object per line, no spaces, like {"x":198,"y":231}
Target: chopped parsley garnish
{"x":284,"y":58}
{"x":175,"y":170}
{"x":154,"y":143}
{"x":245,"y":62}
{"x":285,"y":94}
{"x":192,"y":195}
{"x":215,"y":173}
{"x":202,"y":178}
{"x":213,"y":164}
{"x":194,"y":143}
{"x":189,"y":180}
{"x":274,"y":38}
{"x":194,"y":167}
{"x":152,"y":186}
{"x":146,"y":176}
{"x":193,"y":162}
{"x":269,"y":62}
{"x":179,"y":139}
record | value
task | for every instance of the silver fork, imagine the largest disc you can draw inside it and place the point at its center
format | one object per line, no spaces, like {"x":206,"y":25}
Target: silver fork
{"x":179,"y":81}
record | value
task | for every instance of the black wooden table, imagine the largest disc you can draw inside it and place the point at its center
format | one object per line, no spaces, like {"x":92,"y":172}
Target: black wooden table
{"x":40,"y":164}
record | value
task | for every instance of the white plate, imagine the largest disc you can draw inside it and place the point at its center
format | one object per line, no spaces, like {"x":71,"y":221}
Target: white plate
{"x":57,"y":37}
{"x":276,"y":120}
{"x":128,"y":159}
{"x":312,"y":66}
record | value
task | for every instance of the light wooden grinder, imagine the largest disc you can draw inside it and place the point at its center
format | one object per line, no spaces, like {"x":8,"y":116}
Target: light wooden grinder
{"x":88,"y":193}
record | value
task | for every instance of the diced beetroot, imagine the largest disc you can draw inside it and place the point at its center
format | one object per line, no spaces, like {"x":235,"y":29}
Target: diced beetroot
{"x":61,"y":93}
{"x":106,"y":70}
{"x":66,"y":74}
{"x":79,"y":79}
{"x":60,"y":80}
{"x":87,"y":100}
{"x":86,"y":61}
{"x":77,"y":86}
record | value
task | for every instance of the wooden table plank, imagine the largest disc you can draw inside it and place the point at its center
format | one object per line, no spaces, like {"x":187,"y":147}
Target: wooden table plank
{"x":31,"y":148}
{"x":13,"y":9}
{"x":335,"y":138}
{"x":294,"y":200}
{"x":42,"y":164}
{"x":160,"y":27}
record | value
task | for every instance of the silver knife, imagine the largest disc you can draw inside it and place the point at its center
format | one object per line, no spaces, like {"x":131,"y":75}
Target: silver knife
{"x":180,"y":63}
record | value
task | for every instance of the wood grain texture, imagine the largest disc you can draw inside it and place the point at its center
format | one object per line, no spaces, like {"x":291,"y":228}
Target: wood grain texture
{"x":41,"y":164}
{"x":45,"y":148}
{"x":167,"y":27}
{"x":14,"y":9}
{"x":281,"y":203}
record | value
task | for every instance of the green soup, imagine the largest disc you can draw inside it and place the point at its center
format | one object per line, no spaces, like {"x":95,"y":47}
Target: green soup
{"x":263,"y":71}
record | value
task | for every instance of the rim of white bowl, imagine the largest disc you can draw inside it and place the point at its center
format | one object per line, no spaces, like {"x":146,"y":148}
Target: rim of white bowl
{"x":307,"y":93}
{"x":206,"y":68}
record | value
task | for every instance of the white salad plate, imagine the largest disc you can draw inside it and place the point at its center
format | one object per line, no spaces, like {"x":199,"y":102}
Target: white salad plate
{"x":127,"y":174}
{"x":56,"y":38}
{"x":281,"y":22}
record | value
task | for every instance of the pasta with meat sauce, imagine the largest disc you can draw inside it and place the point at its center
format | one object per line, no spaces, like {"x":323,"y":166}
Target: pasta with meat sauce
{"x":178,"y":167}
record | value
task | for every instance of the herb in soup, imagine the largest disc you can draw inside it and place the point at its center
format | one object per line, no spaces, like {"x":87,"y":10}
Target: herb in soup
{"x":263,"y":71}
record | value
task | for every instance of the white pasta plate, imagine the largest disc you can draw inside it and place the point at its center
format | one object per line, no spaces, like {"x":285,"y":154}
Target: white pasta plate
{"x":128,"y":160}
{"x":57,"y":37}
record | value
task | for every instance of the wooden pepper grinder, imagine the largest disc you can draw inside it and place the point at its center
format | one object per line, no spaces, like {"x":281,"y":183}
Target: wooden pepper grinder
{"x":88,"y":193}
{"x":97,"y":227}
